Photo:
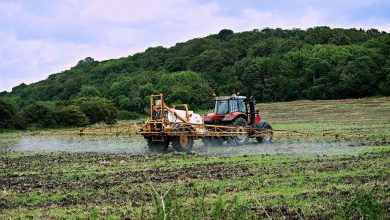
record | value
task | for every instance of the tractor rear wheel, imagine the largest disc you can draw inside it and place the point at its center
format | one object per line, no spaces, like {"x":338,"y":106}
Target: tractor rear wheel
{"x":183,"y":143}
{"x":267,"y":138}
{"x":239,"y":140}
{"x":157,"y":147}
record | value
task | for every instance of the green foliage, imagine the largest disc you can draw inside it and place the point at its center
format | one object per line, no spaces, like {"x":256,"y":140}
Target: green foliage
{"x":224,"y":34}
{"x":88,"y":91}
{"x":186,"y":87}
{"x":126,"y":94}
{"x":384,"y":84}
{"x":9,"y":117}
{"x":39,"y":114}
{"x":97,"y":109}
{"x":7,"y":112}
{"x":70,"y":116}
{"x":87,"y":61}
{"x":50,"y":115}
{"x":273,"y":45}
{"x":176,"y":64}
{"x":210,"y":63}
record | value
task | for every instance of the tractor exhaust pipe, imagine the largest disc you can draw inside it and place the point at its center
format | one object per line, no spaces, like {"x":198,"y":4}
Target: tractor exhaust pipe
{"x":252,"y":110}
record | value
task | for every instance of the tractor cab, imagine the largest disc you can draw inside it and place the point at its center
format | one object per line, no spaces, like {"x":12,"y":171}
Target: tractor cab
{"x":229,"y":108}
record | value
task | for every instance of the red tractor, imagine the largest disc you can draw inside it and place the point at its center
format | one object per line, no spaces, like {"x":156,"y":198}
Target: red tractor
{"x":236,"y":111}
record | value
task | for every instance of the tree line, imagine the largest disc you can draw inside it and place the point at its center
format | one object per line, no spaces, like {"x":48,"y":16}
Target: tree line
{"x":270,"y":64}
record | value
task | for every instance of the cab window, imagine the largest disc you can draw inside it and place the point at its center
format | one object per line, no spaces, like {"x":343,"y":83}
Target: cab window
{"x":241,"y":106}
{"x":222,"y":107}
{"x":233,"y":105}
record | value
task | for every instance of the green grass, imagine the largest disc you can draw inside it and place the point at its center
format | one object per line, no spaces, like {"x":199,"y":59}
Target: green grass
{"x":348,"y":185}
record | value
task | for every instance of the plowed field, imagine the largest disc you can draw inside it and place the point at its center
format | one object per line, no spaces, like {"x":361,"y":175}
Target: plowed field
{"x":347,"y":179}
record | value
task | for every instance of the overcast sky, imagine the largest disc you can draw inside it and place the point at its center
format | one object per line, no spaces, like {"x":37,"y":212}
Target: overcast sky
{"x":42,"y":37}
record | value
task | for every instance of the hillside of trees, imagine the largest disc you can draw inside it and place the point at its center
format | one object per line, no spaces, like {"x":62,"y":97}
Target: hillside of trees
{"x":270,"y":64}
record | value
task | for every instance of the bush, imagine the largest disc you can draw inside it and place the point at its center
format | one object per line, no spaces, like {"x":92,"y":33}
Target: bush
{"x":70,"y":116}
{"x":9,"y":118}
{"x":7,"y":112}
{"x":97,"y":109}
{"x":40,"y":114}
{"x":18,"y":122}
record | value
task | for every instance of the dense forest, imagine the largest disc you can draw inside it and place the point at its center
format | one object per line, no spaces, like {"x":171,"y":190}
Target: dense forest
{"x":270,"y":64}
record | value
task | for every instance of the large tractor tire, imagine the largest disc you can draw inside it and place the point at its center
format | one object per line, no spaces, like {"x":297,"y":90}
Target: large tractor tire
{"x":212,"y":141}
{"x":267,"y":139}
{"x":240,"y":140}
{"x":183,"y":143}
{"x":157,"y":147}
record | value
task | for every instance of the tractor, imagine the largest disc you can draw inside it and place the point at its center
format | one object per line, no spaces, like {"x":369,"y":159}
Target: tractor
{"x":235,"y":111}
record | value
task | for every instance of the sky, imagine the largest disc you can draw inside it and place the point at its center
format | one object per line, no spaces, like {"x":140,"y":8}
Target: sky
{"x":42,"y":37}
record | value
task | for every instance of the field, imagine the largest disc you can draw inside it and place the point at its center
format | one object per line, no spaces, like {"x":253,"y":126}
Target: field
{"x":287,"y":179}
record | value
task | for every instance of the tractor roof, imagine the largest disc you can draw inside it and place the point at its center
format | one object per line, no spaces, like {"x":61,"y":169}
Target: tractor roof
{"x":229,"y":97}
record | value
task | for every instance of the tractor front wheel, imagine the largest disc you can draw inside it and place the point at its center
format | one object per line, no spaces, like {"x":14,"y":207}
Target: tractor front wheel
{"x":239,"y":140}
{"x":267,"y":138}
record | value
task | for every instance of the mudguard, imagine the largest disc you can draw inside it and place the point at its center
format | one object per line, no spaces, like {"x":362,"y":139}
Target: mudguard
{"x":262,"y":124}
